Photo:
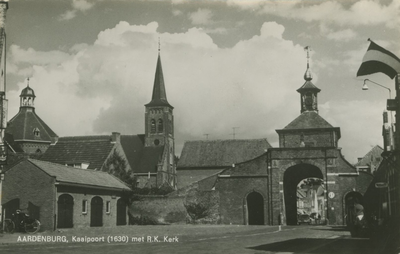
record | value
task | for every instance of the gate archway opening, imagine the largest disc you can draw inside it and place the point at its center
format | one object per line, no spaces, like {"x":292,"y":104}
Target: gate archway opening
{"x":294,"y":177}
{"x":96,"y":212}
{"x":65,"y":211}
{"x":255,"y":208}
{"x":350,"y":200}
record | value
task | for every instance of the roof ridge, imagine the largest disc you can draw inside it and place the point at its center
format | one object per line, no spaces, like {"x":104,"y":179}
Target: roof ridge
{"x":62,"y":165}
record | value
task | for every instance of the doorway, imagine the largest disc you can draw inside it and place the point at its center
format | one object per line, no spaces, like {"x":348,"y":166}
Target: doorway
{"x":96,"y":212}
{"x":65,"y":211}
{"x":255,"y":208}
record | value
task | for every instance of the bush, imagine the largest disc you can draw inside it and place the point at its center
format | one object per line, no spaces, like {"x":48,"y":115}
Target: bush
{"x":142,"y":220}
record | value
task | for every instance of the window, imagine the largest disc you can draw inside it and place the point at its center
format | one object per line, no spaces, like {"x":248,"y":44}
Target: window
{"x":36,"y":132}
{"x":153,"y":126}
{"x":160,"y":125}
{"x":84,"y":206}
{"x":108,"y":207}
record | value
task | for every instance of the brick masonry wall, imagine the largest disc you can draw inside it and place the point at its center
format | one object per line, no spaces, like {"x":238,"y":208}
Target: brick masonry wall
{"x":30,"y":184}
{"x":319,"y":139}
{"x":82,"y":220}
{"x":236,"y":183}
{"x":31,"y":148}
{"x":189,"y":176}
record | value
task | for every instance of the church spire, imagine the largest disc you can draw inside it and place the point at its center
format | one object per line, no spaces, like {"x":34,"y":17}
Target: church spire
{"x":159,"y":97}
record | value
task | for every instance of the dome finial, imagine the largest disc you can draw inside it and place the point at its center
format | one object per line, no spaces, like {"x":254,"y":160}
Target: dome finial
{"x":307,"y":75}
{"x":28,"y":81}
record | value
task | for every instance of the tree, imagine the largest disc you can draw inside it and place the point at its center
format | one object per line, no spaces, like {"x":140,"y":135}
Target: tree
{"x":117,"y":166}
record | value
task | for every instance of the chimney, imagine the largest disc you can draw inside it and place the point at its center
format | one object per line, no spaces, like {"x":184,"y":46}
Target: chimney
{"x":116,"y":137}
{"x":359,"y":159}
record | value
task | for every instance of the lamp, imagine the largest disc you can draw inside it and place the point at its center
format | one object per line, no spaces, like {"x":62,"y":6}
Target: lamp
{"x":365,"y":87}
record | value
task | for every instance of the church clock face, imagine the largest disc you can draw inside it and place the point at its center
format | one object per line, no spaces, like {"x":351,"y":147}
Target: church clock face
{"x":156,"y":142}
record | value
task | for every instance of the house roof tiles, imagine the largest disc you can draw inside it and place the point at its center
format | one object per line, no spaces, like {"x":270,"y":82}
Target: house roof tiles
{"x":64,"y":174}
{"x":220,"y":153}
{"x":80,"y":149}
{"x":308,"y":120}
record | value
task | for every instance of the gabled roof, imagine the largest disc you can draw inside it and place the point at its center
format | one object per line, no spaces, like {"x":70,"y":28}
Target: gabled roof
{"x":159,"y":97}
{"x":220,"y":153}
{"x":141,"y":159}
{"x":70,"y":175}
{"x":372,"y":158}
{"x":21,"y":127}
{"x":308,"y":120}
{"x":80,"y":149}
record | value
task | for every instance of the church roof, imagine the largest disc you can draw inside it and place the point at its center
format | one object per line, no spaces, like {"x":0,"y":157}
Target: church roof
{"x":220,"y":153}
{"x":70,"y":175}
{"x":308,"y":120}
{"x":159,"y":97}
{"x":21,"y":127}
{"x":141,"y":159}
{"x":80,"y":149}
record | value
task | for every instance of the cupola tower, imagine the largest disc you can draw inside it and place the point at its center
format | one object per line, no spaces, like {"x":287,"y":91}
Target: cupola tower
{"x":308,"y":92}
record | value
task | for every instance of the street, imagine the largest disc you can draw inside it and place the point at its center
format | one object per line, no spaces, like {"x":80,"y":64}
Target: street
{"x":196,"y":239}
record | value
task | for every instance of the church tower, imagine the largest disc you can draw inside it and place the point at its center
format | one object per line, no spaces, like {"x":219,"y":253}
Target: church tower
{"x":159,"y":127}
{"x":308,"y":92}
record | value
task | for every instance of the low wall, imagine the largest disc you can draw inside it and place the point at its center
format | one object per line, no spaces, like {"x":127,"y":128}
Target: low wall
{"x":161,"y":209}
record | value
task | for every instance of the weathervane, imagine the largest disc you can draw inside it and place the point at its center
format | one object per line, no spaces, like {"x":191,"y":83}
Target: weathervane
{"x":307,"y":75}
{"x":308,"y":49}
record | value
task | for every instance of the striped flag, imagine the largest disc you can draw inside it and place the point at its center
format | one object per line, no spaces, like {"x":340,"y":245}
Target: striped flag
{"x":378,"y":59}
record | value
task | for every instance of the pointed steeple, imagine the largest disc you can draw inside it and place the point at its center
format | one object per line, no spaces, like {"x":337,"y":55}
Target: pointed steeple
{"x":159,"y":97}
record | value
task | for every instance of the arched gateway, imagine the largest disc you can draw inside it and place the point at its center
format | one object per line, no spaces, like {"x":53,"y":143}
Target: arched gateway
{"x":286,"y":176}
{"x":292,"y":177}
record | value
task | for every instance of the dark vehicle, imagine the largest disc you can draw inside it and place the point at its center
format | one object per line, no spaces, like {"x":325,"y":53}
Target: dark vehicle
{"x":315,"y":218}
{"x":303,"y":218}
{"x":21,"y":222}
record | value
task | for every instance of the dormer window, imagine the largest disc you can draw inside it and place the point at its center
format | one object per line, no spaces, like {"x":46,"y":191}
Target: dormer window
{"x":36,"y":133}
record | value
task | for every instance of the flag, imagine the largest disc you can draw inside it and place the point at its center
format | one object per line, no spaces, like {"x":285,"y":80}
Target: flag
{"x":378,"y":59}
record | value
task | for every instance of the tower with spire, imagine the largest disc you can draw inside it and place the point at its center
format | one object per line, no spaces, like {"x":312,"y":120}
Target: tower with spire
{"x":308,"y":92}
{"x":159,"y":127}
{"x":309,"y":129}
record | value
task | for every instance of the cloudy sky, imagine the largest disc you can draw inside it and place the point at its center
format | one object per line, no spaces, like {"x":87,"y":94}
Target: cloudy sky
{"x":227,"y":64}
